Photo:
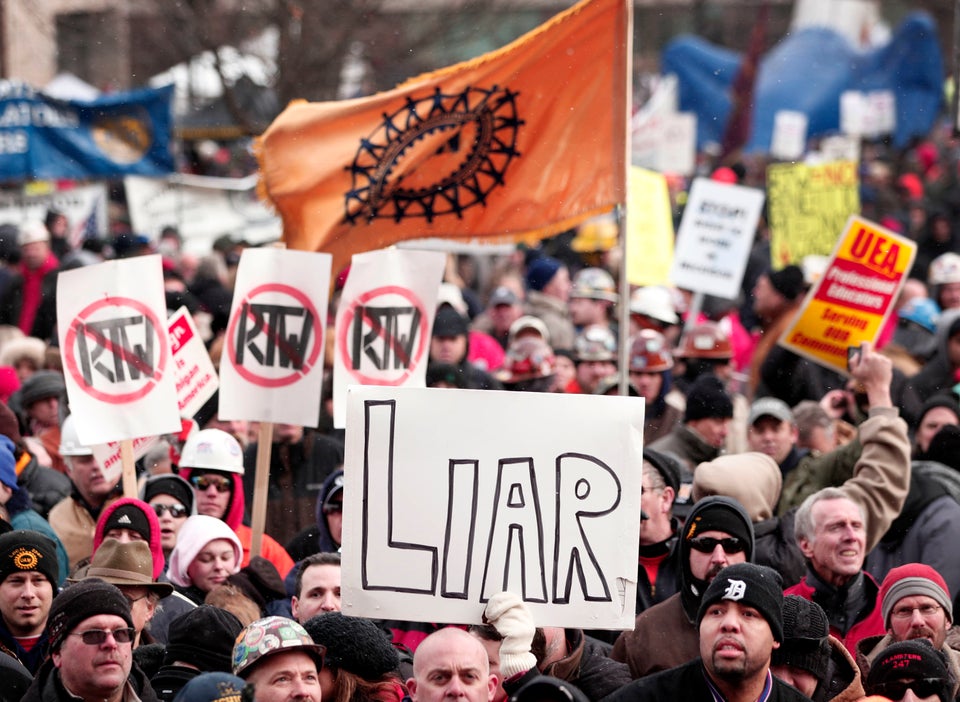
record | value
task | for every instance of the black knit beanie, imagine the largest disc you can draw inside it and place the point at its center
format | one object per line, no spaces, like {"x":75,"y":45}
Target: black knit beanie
{"x":129,"y":516}
{"x":203,"y":637}
{"x":172,"y":485}
{"x":707,"y":398}
{"x":25,"y":550}
{"x":805,"y":631}
{"x":354,"y":644}
{"x":908,"y":660}
{"x":667,"y":466}
{"x":751,"y":585}
{"x":85,"y":599}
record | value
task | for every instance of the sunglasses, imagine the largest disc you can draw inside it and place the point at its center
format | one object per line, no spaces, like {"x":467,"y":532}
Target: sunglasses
{"x":95,"y":637}
{"x":176,"y":511}
{"x":202,"y":482}
{"x":922,"y":687}
{"x":707,"y":544}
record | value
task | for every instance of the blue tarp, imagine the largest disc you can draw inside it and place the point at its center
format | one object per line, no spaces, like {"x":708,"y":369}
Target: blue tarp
{"x":125,"y":133}
{"x":807,"y":72}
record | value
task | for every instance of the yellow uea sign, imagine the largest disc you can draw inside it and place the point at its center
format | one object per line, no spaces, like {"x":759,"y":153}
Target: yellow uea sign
{"x":851,"y":301}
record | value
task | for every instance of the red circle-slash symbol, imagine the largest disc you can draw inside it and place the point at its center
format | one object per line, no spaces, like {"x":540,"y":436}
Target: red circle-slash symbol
{"x":391,"y":336}
{"x":103,"y":355}
{"x":277,"y":331}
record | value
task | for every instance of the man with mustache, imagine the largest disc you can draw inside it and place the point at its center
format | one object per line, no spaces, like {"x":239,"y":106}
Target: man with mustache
{"x":916,"y":604}
{"x":91,"y":649}
{"x":740,"y":625}
{"x":717,"y":533}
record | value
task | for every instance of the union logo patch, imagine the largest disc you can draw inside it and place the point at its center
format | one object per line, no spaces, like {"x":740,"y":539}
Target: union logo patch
{"x":26,"y":558}
{"x":437,"y":155}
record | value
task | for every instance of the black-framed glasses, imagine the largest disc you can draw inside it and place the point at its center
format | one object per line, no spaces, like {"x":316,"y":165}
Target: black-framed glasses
{"x":707,"y":544}
{"x":922,"y":687}
{"x":95,"y":637}
{"x":176,"y":511}
{"x":202,"y":482}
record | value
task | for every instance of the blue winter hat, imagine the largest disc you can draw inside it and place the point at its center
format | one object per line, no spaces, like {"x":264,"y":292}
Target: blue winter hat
{"x":8,"y":463}
{"x":212,"y":687}
{"x":541,"y":271}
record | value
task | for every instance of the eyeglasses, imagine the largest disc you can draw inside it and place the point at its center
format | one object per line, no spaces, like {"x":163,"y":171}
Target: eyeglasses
{"x":202,"y":482}
{"x":707,"y":544}
{"x":927,"y":610}
{"x":95,"y":637}
{"x":176,"y":511}
{"x":922,"y":687}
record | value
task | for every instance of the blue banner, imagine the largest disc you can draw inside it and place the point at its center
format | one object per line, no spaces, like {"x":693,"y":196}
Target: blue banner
{"x":125,"y":133}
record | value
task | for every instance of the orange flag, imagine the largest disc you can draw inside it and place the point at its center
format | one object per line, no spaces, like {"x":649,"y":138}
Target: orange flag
{"x":523,"y":142}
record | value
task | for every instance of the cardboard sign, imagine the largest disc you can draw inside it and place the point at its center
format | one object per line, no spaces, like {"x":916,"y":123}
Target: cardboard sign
{"x":116,"y":351}
{"x":384,"y":322}
{"x":109,"y":458}
{"x":715,"y":236}
{"x":789,"y":135}
{"x":454,"y":495}
{"x":196,"y":377}
{"x":272,"y":367}
{"x":868,"y":114}
{"x":850,"y":303}
{"x":809,"y":206}
{"x":649,"y":228}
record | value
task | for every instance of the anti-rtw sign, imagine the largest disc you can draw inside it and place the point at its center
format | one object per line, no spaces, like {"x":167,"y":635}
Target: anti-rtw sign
{"x":272,"y":367}
{"x":384,"y":321}
{"x":116,"y":351}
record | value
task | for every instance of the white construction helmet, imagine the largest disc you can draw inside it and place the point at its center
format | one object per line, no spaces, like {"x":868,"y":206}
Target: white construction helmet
{"x":213,"y":449}
{"x":944,"y":269}
{"x":654,"y":301}
{"x":70,"y":441}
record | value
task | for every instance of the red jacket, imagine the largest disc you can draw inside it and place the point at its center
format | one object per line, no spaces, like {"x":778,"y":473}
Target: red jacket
{"x":871,"y":625}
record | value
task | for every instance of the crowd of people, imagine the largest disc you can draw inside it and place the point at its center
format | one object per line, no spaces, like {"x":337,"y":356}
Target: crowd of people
{"x":795,"y":529}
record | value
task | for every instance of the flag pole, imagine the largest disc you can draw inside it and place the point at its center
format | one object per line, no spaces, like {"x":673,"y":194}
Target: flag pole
{"x":623,"y":352}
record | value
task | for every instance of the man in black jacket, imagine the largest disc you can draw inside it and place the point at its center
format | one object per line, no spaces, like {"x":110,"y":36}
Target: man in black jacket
{"x":741,"y":624}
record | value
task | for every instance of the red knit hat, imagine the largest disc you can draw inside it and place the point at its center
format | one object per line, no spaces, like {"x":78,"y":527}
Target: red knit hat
{"x":914,"y":579}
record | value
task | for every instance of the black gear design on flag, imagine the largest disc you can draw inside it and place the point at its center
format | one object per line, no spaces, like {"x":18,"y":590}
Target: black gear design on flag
{"x":482,"y":125}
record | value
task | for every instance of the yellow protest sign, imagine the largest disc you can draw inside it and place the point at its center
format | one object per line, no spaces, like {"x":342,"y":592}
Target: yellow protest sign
{"x":649,"y":228}
{"x":808,"y":206}
{"x":851,"y":301}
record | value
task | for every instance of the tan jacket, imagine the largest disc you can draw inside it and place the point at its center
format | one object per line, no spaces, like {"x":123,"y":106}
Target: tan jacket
{"x":75,"y":526}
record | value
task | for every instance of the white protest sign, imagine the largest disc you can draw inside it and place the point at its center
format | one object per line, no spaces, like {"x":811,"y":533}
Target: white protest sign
{"x":116,"y":351}
{"x":197,"y":379}
{"x":108,"y":455}
{"x":451,"y":496}
{"x":789,"y":135}
{"x":272,"y":365}
{"x":384,"y":322}
{"x":869,"y":114}
{"x":84,"y":206}
{"x":714,"y":238}
{"x":202,"y":208}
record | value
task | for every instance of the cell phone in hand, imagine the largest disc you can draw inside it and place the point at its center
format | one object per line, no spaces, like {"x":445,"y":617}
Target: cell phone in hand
{"x":853,"y":353}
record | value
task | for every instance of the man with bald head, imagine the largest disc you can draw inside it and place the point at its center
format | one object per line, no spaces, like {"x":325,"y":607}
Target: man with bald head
{"x":451,"y":662}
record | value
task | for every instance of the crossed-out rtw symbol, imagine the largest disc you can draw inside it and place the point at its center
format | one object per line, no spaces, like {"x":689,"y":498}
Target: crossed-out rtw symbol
{"x":115,"y":350}
{"x":274,"y":336}
{"x":383,"y":336}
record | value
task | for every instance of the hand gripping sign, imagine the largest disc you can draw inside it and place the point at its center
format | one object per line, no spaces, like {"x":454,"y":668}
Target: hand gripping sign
{"x":272,"y":366}
{"x":384,"y":321}
{"x":116,"y":351}
{"x":454,"y":495}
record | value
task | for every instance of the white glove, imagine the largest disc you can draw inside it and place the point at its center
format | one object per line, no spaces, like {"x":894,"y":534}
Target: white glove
{"x":510,"y":617}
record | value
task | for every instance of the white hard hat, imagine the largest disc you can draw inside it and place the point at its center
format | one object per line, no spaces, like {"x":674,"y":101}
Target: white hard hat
{"x":213,"y":449}
{"x":945,"y":268}
{"x":654,"y":301}
{"x":70,"y":444}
